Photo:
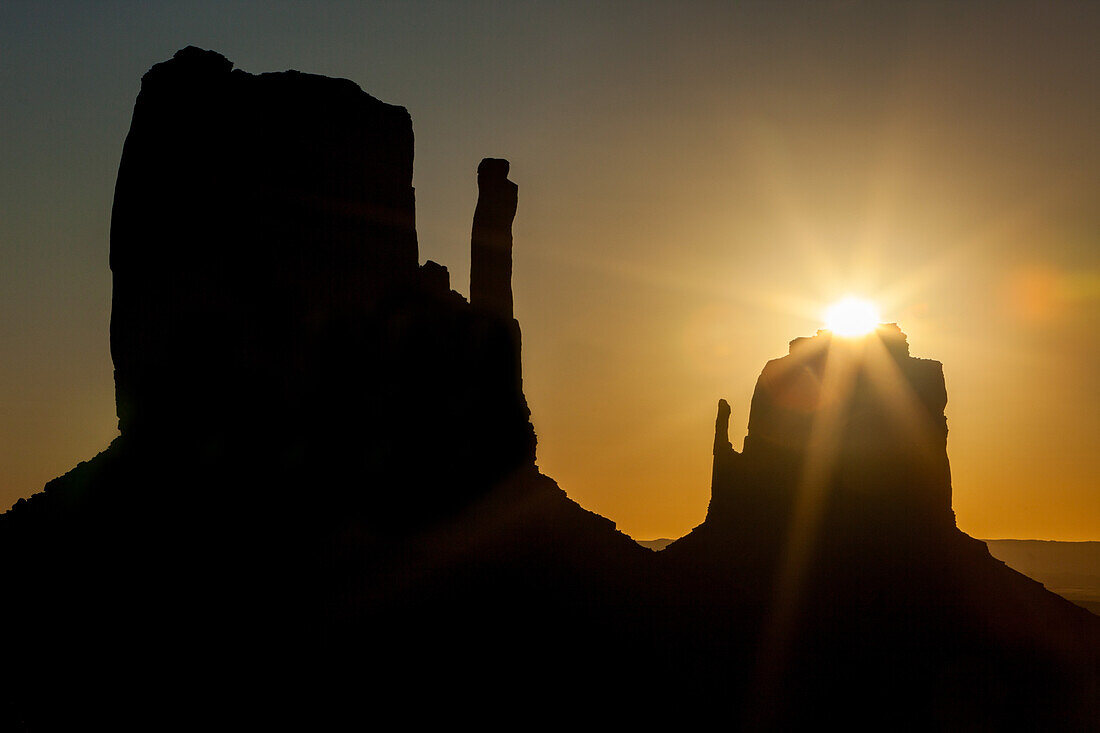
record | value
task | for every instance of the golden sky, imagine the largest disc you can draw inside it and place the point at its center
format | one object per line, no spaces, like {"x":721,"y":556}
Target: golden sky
{"x":697,"y":182}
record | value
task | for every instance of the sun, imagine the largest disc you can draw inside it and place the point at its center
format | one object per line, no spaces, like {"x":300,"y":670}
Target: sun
{"x":851,"y":316}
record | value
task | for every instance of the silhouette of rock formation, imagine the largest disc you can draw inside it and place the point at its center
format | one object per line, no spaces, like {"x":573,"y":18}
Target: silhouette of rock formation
{"x":726,"y":459}
{"x":835,"y":533}
{"x":324,"y":507}
{"x":253,"y":216}
{"x":861,"y":419}
{"x":491,"y":251}
{"x":266,"y":287}
{"x":289,"y":380}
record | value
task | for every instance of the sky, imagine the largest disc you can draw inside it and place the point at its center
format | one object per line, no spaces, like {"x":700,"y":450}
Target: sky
{"x":698,"y":181}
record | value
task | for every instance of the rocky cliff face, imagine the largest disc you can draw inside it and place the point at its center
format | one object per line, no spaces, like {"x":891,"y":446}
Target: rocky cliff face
{"x":255,"y":217}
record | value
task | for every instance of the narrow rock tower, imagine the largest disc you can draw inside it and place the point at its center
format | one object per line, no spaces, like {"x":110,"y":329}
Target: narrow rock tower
{"x":491,"y":241}
{"x":724,"y":474}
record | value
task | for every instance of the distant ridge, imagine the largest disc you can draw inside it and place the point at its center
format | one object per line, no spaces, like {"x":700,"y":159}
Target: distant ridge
{"x":1070,"y":569}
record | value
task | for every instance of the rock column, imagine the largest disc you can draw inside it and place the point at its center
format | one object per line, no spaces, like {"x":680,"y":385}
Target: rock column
{"x":491,"y":241}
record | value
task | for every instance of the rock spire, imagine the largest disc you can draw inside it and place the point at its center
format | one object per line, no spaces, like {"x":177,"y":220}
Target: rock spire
{"x":491,"y":241}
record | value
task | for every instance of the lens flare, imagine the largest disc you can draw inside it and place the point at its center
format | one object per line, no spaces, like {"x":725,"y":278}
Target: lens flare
{"x":851,"y":316}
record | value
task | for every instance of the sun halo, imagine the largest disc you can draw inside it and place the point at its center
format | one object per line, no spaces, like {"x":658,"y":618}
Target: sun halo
{"x":851,"y":317}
